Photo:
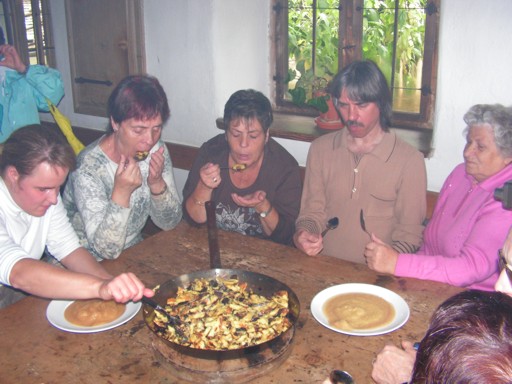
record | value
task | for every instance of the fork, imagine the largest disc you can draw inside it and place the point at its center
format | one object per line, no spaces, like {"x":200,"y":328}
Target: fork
{"x":174,"y":321}
{"x":363,"y":224}
{"x":159,"y":308}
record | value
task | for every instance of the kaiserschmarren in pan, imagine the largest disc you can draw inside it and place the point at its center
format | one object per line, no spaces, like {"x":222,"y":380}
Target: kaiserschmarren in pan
{"x":223,"y":314}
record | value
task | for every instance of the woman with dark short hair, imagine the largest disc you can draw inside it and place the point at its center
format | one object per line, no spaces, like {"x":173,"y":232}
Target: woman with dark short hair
{"x":254,"y":182}
{"x":125,"y":176}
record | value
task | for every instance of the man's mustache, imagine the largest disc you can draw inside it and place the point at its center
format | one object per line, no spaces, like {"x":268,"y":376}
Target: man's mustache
{"x":353,"y":123}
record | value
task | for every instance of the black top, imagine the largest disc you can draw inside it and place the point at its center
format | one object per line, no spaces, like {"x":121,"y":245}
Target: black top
{"x":279,"y":177}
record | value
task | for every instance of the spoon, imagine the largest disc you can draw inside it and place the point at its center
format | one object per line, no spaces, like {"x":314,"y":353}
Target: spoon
{"x":341,"y":377}
{"x":363,"y":224}
{"x":331,"y":224}
{"x":236,"y":167}
{"x":141,"y":155}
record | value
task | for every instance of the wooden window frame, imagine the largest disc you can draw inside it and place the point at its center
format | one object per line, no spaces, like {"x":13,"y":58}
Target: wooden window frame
{"x":350,"y":38}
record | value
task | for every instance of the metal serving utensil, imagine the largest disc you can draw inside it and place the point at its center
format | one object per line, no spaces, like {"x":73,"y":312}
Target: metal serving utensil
{"x":173,"y":321}
{"x":331,"y":224}
{"x":363,"y":224}
{"x":340,"y":377}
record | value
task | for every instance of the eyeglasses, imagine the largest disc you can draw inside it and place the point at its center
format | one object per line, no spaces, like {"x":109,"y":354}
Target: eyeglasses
{"x":504,"y":265}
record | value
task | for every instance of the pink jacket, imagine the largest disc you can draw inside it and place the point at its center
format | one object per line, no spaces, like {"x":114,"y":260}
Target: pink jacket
{"x":462,"y":239}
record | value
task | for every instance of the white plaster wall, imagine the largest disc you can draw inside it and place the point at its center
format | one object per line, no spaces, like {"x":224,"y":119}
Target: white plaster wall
{"x":475,"y":57}
{"x":204,"y":50}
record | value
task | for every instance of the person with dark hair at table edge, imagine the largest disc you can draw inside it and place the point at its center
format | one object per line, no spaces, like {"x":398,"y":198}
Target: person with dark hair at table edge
{"x":125,"y":176}
{"x":34,"y":164}
{"x":24,"y":90}
{"x":254,"y":182}
{"x":469,"y":340}
{"x":363,"y":167}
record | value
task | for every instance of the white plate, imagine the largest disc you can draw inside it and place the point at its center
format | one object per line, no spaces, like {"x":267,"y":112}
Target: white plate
{"x":401,"y":307}
{"x":55,"y":315}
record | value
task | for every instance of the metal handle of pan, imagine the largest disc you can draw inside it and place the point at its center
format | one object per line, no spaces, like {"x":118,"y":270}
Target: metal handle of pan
{"x":213,"y":242}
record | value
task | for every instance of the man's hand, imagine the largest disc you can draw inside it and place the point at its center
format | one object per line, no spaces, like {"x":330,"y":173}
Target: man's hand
{"x":309,"y":243}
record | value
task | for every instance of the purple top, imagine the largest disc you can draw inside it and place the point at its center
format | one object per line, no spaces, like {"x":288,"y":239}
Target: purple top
{"x":462,"y":239}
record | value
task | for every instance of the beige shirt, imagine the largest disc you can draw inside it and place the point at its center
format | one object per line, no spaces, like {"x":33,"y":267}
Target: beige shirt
{"x":389,"y":184}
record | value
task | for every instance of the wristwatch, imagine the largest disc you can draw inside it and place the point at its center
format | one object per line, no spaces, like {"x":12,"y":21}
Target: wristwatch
{"x":265,"y":214}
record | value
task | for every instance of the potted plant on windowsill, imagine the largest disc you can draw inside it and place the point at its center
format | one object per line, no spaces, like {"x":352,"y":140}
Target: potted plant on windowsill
{"x":320,"y":99}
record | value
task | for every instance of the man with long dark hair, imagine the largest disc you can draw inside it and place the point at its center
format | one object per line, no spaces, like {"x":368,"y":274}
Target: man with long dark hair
{"x":362,"y":171}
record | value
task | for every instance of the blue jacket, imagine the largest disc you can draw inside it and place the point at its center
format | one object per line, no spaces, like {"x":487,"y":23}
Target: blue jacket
{"x":22,"y":96}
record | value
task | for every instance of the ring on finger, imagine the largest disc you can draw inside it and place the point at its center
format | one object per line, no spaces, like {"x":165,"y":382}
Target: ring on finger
{"x":214,"y":179}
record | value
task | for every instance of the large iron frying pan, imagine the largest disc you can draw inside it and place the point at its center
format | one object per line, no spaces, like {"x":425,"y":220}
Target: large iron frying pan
{"x":258,"y":283}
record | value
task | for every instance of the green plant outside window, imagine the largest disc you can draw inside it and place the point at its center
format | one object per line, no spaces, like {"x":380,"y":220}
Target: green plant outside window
{"x":393,"y":35}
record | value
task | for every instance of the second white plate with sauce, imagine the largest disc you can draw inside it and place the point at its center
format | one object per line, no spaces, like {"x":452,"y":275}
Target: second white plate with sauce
{"x":55,"y":315}
{"x":401,"y":308}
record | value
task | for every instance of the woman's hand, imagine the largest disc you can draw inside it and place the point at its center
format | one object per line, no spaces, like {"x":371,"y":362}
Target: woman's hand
{"x":126,"y":180}
{"x":209,"y":179}
{"x":394,"y":365}
{"x":123,"y":288}
{"x":11,"y":58}
{"x":380,"y":257}
{"x":309,"y":243}
{"x":156,"y":182}
{"x":251,"y":200}
{"x":209,"y":175}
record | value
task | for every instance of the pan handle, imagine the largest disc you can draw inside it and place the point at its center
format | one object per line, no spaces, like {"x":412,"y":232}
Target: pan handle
{"x":213,"y":242}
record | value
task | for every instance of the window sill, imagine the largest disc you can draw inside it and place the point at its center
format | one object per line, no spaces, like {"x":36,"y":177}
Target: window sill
{"x":303,"y":128}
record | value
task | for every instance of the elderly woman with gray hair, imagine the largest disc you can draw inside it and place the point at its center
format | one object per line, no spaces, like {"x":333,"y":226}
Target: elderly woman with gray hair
{"x":468,"y":225}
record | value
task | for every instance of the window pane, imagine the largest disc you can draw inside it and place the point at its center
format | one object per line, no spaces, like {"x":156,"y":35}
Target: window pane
{"x":312,"y":47}
{"x":36,"y":25}
{"x":409,"y":56}
{"x":29,"y":27}
{"x":316,"y":37}
{"x":406,"y":48}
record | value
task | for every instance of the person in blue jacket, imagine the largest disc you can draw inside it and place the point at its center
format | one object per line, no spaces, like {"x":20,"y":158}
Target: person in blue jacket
{"x":24,"y":89}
